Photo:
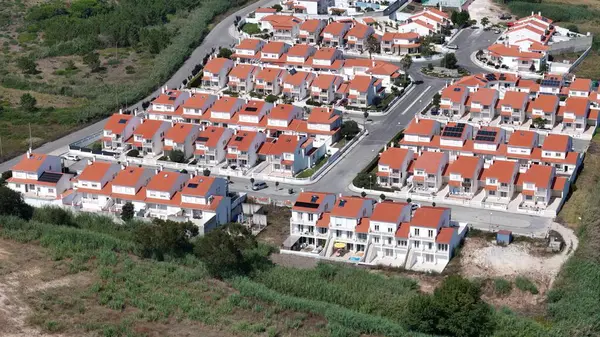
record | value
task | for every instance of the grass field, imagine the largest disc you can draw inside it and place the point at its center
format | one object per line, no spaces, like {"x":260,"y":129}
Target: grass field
{"x":69,"y":92}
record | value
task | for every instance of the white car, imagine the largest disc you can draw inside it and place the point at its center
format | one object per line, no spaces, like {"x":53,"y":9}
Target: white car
{"x":452,"y":46}
{"x":72,"y":157}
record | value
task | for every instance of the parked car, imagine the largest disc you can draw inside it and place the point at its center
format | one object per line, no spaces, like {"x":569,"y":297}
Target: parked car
{"x":259,"y":185}
{"x":452,"y":46}
{"x":72,"y":157}
{"x":497,"y":31}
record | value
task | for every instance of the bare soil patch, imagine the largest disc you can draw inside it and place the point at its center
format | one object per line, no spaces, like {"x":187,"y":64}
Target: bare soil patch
{"x":278,"y":225}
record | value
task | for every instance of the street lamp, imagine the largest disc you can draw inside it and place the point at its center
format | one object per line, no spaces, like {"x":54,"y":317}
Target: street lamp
{"x":491,"y":221}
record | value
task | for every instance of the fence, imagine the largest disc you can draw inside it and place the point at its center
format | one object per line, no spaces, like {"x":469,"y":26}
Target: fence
{"x":574,"y":45}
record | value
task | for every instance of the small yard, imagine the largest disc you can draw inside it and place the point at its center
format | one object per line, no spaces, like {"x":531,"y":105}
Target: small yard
{"x":251,"y":28}
{"x":310,"y":171}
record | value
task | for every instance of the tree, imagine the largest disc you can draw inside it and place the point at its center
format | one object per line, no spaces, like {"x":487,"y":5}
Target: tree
{"x":484,"y":21}
{"x":422,"y":315}
{"x":449,"y":61}
{"x":271,"y":98}
{"x":225,"y":53}
{"x":206,"y":172}
{"x":12,"y":203}
{"x":479,"y":53}
{"x":28,"y":102}
{"x":460,"y":18}
{"x":349,"y":129}
{"x":366,"y":115}
{"x":277,"y":7}
{"x":127,"y":211}
{"x":435,"y":101}
{"x":165,"y":237}
{"x":365,"y":180}
{"x":532,"y":68}
{"x":382,"y":196}
{"x":405,"y":64}
{"x":408,"y":200}
{"x":426,"y":48}
{"x":433,"y":204}
{"x":133,"y":153}
{"x":429,"y":66}
{"x":252,"y":181}
{"x":177,"y":156}
{"x":54,"y":215}
{"x":5,"y":176}
{"x":363,"y":194}
{"x":225,"y":251}
{"x":97,"y":146}
{"x":92,"y":60}
{"x":373,"y":45}
{"x":277,"y":185}
{"x":27,"y":65}
{"x":540,"y":122}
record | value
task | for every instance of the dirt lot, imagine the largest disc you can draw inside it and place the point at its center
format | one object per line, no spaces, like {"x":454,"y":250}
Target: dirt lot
{"x":278,"y":225}
{"x":479,"y":9}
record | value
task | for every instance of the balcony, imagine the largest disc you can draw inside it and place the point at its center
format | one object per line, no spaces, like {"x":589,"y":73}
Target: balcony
{"x":503,"y":187}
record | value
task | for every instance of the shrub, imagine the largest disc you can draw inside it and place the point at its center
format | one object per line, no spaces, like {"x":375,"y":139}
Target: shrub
{"x":12,"y":203}
{"x":271,"y":99}
{"x":127,"y":212}
{"x":165,"y":237}
{"x":525,"y":284}
{"x":177,"y":156}
{"x":27,"y":65}
{"x":350,"y":129}
{"x":28,"y":102}
{"x":133,"y":153}
{"x":54,"y":215}
{"x":502,"y":287}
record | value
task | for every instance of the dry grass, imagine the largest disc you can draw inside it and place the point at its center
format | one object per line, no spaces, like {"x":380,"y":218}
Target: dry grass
{"x":13,"y":96}
{"x":278,"y":225}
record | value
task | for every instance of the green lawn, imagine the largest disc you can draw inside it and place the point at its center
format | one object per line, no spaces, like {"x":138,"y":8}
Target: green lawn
{"x":310,"y":171}
{"x":251,"y":28}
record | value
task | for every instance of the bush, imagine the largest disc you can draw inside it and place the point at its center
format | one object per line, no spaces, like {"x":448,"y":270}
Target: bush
{"x":177,"y":156}
{"x":27,"y":65}
{"x":502,"y":287}
{"x":12,"y":203}
{"x":349,"y":129}
{"x":524,"y":284}
{"x":54,"y":215}
{"x":28,"y":102}
{"x":225,"y":53}
{"x":127,"y":211}
{"x":271,"y":99}
{"x":133,"y":153}
{"x":165,"y":237}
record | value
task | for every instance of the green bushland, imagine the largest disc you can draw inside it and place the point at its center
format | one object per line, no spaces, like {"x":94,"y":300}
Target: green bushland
{"x":556,"y":11}
{"x":525,"y":284}
{"x":502,"y":286}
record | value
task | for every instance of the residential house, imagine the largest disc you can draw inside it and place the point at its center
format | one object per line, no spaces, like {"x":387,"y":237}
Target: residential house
{"x":463,"y":176}
{"x":160,"y":200}
{"x":513,"y":107}
{"x":195,"y":108}
{"x":284,"y":27}
{"x":453,"y":99}
{"x":483,"y":104}
{"x":242,"y":148}
{"x":400,"y":43}
{"x":205,"y":201}
{"x":428,"y":172}
{"x":166,"y":105}
{"x":536,"y":184}
{"x":39,"y":176}
{"x":282,"y":115}
{"x":310,"y":31}
{"x":93,"y":185}
{"x":211,"y":145}
{"x":432,"y":17}
{"x":181,"y":137}
{"x":499,"y":182}
{"x":222,"y":113}
{"x":349,"y":227}
{"x":299,"y":54}
{"x":324,"y":125}
{"x":552,"y":84}
{"x":557,"y":152}
{"x":269,"y":81}
{"x":289,"y":154}
{"x":515,"y":58}
{"x":261,"y":12}
{"x":543,"y":110}
{"x":129,"y":186}
{"x":324,"y":87}
{"x":117,"y":131}
{"x":392,"y":167}
{"x":581,"y":87}
{"x":148,"y":138}
{"x":521,"y":146}
{"x":454,"y":137}
{"x":310,"y":219}
{"x":362,"y":91}
{"x":333,"y":34}
{"x":274,"y":52}
{"x":417,"y":26}
{"x":215,"y":72}
{"x":252,"y":115}
{"x":248,"y":50}
{"x":297,"y":85}
{"x":357,"y":37}
{"x":327,"y":60}
{"x":384,"y":223}
{"x":420,"y":133}
{"x":489,"y":143}
{"x":575,"y":113}
{"x":242,"y":77}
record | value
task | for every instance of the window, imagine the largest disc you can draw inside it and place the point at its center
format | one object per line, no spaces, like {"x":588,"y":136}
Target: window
{"x":430,"y":245}
{"x":311,"y":217}
{"x":430,"y":233}
{"x":492,"y":192}
{"x":376,"y":239}
{"x":402,"y":243}
{"x":389,"y":241}
{"x":429,"y":258}
{"x":417,"y":244}
{"x":338,"y":233}
{"x":50,"y":190}
{"x":416,"y":231}
{"x":390,"y":229}
{"x":443,"y":247}
{"x":377,"y":227}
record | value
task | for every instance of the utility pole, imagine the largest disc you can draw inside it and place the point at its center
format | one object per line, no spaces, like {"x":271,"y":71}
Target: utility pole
{"x":30,"y":139}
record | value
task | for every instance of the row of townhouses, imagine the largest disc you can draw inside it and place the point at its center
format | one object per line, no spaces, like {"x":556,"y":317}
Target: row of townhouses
{"x":214,"y":129}
{"x":360,"y":230}
{"x":560,"y":103}
{"x":298,"y":72}
{"x":106,"y":187}
{"x":525,"y":45}
{"x":352,"y":34}
{"x":485,"y":164}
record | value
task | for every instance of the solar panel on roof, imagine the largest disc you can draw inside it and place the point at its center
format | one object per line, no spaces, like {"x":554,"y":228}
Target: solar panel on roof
{"x":314,"y":198}
{"x":50,"y":177}
{"x":122,"y":121}
{"x":191,"y":185}
{"x":550,"y":83}
{"x":172,"y":98}
{"x":457,"y":89}
{"x":305,"y":204}
{"x":239,"y":139}
{"x":342,"y":203}
{"x":202,"y":139}
{"x":485,"y":138}
{"x":490,"y":77}
{"x":251,"y":108}
{"x":487,"y":133}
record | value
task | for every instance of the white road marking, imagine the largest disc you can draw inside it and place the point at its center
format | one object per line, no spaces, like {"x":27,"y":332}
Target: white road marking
{"x":418,"y":99}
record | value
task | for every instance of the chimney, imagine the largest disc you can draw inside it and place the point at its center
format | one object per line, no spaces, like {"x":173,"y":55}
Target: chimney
{"x":385,"y":148}
{"x":417,"y":119}
{"x":142,"y":120}
{"x":162,"y":90}
{"x":93,"y":158}
{"x":532,"y":13}
{"x":89,"y":162}
{"x":172,"y":123}
{"x":29,"y":153}
{"x":540,"y":13}
{"x":123,"y":166}
{"x":121,"y":111}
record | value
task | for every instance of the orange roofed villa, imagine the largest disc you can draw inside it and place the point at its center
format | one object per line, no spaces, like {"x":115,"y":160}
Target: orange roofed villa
{"x":361,"y":230}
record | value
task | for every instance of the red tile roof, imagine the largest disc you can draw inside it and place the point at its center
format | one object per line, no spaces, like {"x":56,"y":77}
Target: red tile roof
{"x":311,"y":25}
{"x":361,"y":83}
{"x":215,"y":65}
{"x":393,"y":157}
{"x":388,"y":211}
{"x":197,"y":101}
{"x":422,"y":127}
{"x":249,"y":44}
{"x":242,"y":140}
{"x":168,"y":98}
{"x":164,"y":181}
{"x":539,"y":175}
{"x":466,"y":166}
{"x":179,"y":132}
{"x":242,"y":71}
{"x":581,"y":84}
{"x":521,"y":138}
{"x":335,"y":28}
{"x":212,"y":134}
{"x":95,"y":171}
{"x":455,"y":93}
{"x":200,"y":186}
{"x":129,"y":177}
{"x":513,"y":51}
{"x":426,"y":216}
{"x":501,"y":170}
{"x":349,"y":207}
{"x":117,"y":123}
{"x":445,"y":235}
{"x":430,"y":162}
{"x":484,"y":96}
{"x":310,"y":197}
{"x":149,"y":128}
{"x":545,"y":103}
{"x":557,"y":143}
{"x":514,"y":99}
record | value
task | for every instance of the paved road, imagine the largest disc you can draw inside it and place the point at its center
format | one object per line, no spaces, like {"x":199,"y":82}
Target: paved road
{"x":217,"y":37}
